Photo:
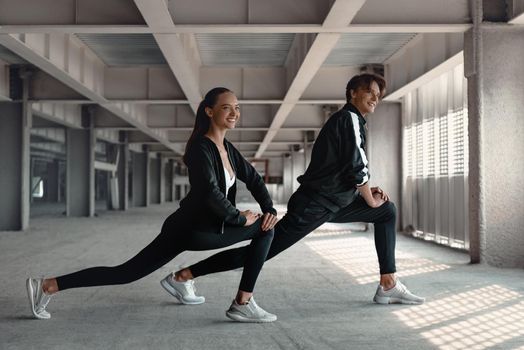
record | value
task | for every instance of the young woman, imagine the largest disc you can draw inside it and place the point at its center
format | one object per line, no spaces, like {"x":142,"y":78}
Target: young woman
{"x":207,"y":219}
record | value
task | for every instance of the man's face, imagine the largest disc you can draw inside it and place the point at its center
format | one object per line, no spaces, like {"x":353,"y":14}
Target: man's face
{"x":366,"y":100}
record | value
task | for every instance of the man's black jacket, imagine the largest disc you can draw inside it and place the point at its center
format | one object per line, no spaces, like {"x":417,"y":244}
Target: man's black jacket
{"x":338,"y":161}
{"x":206,"y":207}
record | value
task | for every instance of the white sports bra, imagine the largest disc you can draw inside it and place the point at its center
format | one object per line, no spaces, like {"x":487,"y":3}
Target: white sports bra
{"x":230,"y":181}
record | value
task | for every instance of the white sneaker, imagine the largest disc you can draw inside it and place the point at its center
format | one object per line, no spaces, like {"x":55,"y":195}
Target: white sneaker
{"x":183,"y":291}
{"x":249,"y":312}
{"x":399,"y":294}
{"x":37,"y":298}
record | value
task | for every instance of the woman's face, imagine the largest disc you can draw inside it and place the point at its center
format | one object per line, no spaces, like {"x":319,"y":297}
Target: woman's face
{"x":226,"y":112}
{"x":366,"y":100}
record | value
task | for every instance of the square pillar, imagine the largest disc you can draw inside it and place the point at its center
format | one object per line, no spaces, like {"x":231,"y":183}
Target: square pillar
{"x":15,"y":126}
{"x":139,"y":161}
{"x":162,"y":178}
{"x":123,"y":172}
{"x":493,"y":67}
{"x":169,"y":188}
{"x":52,"y":183}
{"x":154,"y":180}
{"x":287,"y":177}
{"x":80,"y":178}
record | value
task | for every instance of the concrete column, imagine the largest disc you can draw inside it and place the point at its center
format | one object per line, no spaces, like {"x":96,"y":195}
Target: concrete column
{"x":123,"y":172}
{"x":287,"y":177}
{"x":169,"y":172}
{"x":163,"y":176}
{"x":493,"y":66}
{"x":298,"y":169}
{"x":15,"y":136}
{"x":148,"y":175}
{"x":15,"y":125}
{"x":154,"y":180}
{"x":52,"y":189}
{"x":80,"y":178}
{"x":140,"y":179}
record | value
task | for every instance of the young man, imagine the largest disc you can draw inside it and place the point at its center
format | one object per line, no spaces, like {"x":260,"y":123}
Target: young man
{"x":335,"y":188}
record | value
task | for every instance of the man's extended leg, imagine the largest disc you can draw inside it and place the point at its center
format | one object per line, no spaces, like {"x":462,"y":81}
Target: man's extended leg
{"x":303,"y":216}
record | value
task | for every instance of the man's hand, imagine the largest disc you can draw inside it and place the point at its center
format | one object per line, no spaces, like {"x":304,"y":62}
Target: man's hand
{"x":250,"y":217}
{"x":269,"y":221}
{"x":377,"y":200}
{"x":373,"y":199}
{"x":383,"y":194}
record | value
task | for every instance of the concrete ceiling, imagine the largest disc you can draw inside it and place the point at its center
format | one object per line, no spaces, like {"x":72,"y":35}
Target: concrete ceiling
{"x":146,"y":64}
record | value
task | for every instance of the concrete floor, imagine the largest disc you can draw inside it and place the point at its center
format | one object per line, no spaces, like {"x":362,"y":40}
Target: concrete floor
{"x":321,"y":290}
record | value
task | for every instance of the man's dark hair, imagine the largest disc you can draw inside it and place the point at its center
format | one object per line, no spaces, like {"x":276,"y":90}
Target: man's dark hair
{"x":364,"y":81}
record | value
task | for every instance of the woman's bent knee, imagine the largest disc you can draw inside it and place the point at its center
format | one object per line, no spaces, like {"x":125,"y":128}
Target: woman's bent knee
{"x":269,"y":234}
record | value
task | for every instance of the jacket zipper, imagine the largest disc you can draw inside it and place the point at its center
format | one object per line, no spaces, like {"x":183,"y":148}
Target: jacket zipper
{"x":231,"y":163}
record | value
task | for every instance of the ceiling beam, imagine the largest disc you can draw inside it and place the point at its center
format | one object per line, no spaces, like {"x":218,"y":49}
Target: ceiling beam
{"x":63,"y":114}
{"x":239,"y":28}
{"x":425,"y":78}
{"x":341,"y":13}
{"x":49,"y":147}
{"x":180,"y":56}
{"x":83,"y":72}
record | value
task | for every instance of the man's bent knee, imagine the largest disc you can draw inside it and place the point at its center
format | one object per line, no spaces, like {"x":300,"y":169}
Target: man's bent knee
{"x":389,"y":210}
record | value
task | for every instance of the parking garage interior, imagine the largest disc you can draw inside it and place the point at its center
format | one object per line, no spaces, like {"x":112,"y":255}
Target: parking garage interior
{"x":98,"y":99}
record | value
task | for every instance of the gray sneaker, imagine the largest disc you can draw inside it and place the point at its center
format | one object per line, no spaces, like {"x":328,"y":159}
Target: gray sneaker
{"x":397,"y":295}
{"x":249,"y":312}
{"x":183,"y":291}
{"x":37,"y":298}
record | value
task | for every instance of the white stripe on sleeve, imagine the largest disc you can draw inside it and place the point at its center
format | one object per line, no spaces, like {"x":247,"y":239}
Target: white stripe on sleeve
{"x":358,"y":140}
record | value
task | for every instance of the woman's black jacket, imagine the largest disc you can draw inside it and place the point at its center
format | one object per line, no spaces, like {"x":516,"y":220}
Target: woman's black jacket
{"x":206,"y":207}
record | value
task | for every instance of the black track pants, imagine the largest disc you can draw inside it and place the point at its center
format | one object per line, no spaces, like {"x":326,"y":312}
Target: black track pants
{"x":304,"y":215}
{"x":167,"y":245}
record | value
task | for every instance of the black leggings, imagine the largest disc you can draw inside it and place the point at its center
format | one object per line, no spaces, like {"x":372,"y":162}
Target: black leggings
{"x":171,"y":242}
{"x":304,"y":215}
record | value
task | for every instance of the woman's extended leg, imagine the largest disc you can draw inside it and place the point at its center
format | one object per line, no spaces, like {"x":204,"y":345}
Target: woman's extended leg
{"x":160,"y":251}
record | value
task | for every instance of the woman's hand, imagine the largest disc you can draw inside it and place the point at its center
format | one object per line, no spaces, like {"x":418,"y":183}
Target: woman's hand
{"x":269,"y":221}
{"x":250,"y":217}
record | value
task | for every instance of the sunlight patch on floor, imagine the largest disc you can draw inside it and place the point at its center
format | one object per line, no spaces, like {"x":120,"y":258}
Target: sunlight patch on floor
{"x":357,"y":257}
{"x":457,"y":305}
{"x":476,"y":319}
{"x":482,"y":331}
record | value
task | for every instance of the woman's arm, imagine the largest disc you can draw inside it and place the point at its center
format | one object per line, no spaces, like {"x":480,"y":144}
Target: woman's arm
{"x":203,"y":180}
{"x":254,"y":183}
{"x":248,"y":174}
